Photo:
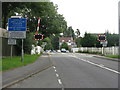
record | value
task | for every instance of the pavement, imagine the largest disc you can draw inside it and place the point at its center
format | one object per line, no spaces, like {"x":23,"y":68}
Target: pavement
{"x":107,"y":58}
{"x":13,"y":76}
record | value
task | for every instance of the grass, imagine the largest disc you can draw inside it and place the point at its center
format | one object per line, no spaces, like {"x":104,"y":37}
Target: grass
{"x":113,"y":56}
{"x":8,"y":63}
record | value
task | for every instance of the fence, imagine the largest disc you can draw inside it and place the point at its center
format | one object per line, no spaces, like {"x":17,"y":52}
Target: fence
{"x":6,"y":49}
{"x":106,"y":50}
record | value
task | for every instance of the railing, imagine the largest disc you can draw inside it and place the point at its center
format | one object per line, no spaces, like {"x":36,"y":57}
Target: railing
{"x":106,"y":50}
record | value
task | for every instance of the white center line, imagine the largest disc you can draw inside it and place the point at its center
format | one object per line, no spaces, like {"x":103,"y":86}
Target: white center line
{"x":54,"y":67}
{"x":59,"y":80}
{"x":55,"y":70}
{"x":57,"y":75}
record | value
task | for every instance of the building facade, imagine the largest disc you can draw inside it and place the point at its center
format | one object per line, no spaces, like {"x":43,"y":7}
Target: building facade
{"x":69,"y":40}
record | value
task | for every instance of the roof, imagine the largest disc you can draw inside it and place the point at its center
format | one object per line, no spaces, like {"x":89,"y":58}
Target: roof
{"x":66,"y":39}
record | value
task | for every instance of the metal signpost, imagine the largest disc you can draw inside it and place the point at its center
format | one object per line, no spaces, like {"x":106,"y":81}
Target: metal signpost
{"x":103,"y":41}
{"x":11,"y":42}
{"x":17,"y":30}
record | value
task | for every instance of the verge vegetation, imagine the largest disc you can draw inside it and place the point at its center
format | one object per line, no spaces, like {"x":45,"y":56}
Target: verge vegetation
{"x":8,"y":63}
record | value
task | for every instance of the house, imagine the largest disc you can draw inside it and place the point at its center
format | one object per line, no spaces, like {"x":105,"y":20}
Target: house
{"x":69,"y":40}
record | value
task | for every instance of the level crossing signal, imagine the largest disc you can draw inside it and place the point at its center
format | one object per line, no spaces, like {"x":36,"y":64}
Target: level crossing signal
{"x":38,"y":36}
{"x":101,"y":37}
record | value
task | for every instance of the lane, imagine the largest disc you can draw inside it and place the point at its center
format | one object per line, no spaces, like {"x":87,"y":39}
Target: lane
{"x":108,"y":63}
{"x":44,"y":79}
{"x":75,"y":73}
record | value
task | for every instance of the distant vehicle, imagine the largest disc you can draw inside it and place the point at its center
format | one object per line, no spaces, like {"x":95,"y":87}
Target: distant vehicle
{"x":48,"y":51}
{"x":67,"y":51}
{"x":58,"y":51}
{"x":63,"y":50}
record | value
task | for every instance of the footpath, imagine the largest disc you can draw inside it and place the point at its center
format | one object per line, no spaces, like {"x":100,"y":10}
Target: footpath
{"x":13,"y":76}
{"x":107,"y":58}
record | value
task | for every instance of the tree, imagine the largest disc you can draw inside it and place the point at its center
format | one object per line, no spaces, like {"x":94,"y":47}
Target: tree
{"x":51,"y":21}
{"x":55,"y":41}
{"x":78,"y":41}
{"x":69,"y":32}
{"x":88,"y":40}
{"x":65,"y":46}
{"x":48,"y":46}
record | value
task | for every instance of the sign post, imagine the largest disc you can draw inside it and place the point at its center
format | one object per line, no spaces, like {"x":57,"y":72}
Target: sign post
{"x":17,"y":30}
{"x":22,"y":58}
{"x":11,"y":42}
{"x":103,"y":41}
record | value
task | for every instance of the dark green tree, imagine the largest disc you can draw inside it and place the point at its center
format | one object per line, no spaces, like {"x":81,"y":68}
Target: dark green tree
{"x":51,"y":21}
{"x":69,"y":32}
{"x":65,"y":46}
{"x":88,"y":40}
{"x":55,"y":41}
{"x":78,"y":41}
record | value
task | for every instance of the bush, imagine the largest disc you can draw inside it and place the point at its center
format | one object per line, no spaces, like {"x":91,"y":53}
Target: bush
{"x":65,"y":46}
{"x":88,"y":52}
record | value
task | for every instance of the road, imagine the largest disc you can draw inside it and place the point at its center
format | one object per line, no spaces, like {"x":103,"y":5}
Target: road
{"x":73,"y":70}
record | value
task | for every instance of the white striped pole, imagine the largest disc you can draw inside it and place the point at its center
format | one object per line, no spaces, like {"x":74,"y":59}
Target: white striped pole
{"x":38,"y":25}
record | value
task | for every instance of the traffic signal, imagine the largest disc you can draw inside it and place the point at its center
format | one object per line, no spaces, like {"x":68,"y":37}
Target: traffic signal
{"x":38,"y":36}
{"x":102,"y":37}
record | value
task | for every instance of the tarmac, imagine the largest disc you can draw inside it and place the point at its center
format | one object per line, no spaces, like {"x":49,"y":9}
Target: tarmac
{"x":13,"y":76}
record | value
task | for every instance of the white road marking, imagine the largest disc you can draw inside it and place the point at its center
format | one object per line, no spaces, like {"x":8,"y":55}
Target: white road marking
{"x":55,"y":70}
{"x":59,"y":80}
{"x":99,"y":65}
{"x":54,"y":67}
{"x":57,"y":75}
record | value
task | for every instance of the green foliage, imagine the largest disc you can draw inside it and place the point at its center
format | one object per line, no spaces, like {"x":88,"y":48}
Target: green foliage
{"x":113,"y":39}
{"x":27,"y":44}
{"x":51,"y":22}
{"x":55,"y":41}
{"x":113,"y":56}
{"x":48,"y":46}
{"x":78,"y":41}
{"x":65,"y":46}
{"x":88,"y":40}
{"x":15,"y":62}
{"x":69,"y":32}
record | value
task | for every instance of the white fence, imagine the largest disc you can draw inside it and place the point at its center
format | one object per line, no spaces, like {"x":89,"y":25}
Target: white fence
{"x":106,"y":50}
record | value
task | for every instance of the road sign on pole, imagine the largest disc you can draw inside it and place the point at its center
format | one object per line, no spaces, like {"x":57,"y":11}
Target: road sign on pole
{"x":17,"y":27}
{"x":17,"y":24}
{"x":11,"y":41}
{"x":17,"y":34}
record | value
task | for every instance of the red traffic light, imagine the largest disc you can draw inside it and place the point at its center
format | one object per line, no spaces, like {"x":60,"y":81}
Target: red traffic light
{"x":38,"y":36}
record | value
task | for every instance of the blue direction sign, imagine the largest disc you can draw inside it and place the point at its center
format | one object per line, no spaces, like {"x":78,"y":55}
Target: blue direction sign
{"x":17,"y":24}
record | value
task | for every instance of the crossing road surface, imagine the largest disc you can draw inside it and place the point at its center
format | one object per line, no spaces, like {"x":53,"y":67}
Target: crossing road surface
{"x":73,"y":70}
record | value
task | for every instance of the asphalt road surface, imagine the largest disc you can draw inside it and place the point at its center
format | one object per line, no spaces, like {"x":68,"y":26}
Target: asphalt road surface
{"x":73,"y":70}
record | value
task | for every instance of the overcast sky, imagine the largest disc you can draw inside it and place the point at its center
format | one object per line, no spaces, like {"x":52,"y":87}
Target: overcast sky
{"x":93,"y":16}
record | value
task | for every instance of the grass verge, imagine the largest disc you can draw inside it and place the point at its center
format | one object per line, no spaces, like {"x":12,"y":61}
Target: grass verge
{"x":113,"y":56}
{"x":8,"y":63}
